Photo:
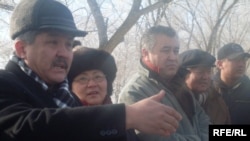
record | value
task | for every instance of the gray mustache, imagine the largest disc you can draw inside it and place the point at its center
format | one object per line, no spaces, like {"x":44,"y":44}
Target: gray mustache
{"x":60,"y":62}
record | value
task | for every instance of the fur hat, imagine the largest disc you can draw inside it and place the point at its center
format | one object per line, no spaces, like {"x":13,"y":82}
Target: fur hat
{"x":88,"y":59}
{"x":42,"y":14}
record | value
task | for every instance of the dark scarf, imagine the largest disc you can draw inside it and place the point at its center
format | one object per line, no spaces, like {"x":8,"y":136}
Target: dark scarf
{"x":61,"y":94}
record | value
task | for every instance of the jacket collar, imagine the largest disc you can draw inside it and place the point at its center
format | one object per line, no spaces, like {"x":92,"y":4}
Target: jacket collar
{"x":150,"y":72}
{"x":218,"y":82}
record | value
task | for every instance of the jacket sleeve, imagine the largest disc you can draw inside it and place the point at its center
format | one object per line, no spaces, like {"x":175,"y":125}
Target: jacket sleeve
{"x":132,"y":94}
{"x":22,"y":119}
{"x":203,"y":122}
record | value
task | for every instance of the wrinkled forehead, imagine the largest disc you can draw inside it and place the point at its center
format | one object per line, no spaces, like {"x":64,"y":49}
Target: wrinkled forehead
{"x":57,"y":33}
{"x":166,"y":41}
{"x":201,"y":68}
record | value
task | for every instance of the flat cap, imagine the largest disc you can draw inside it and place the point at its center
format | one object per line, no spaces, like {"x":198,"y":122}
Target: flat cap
{"x":196,"y":57}
{"x":42,"y":14}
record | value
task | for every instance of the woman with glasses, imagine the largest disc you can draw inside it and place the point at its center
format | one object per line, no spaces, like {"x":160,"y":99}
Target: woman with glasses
{"x":91,"y":75}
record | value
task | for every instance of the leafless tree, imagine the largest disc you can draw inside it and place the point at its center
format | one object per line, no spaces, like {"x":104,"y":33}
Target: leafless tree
{"x":7,"y":5}
{"x":203,"y":22}
{"x":134,"y":14}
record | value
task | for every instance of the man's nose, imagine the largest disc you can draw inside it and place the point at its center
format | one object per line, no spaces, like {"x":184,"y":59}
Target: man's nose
{"x":64,"y":52}
{"x":173,"y":55}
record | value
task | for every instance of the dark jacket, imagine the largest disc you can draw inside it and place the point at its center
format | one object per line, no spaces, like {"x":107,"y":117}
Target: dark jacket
{"x":236,"y":97}
{"x":216,"y":108}
{"x":27,"y":112}
{"x":212,"y":102}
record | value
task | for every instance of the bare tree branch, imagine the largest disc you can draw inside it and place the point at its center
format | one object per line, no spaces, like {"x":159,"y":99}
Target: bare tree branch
{"x":6,"y":6}
{"x":131,"y":19}
{"x":99,"y":20}
{"x":213,"y":35}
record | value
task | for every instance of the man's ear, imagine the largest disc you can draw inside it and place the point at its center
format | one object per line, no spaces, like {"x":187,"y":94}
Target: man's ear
{"x":219,"y":64}
{"x":144,"y":53}
{"x":20,"y":48}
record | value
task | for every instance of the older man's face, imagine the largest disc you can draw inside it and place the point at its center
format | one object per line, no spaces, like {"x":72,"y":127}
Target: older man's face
{"x":164,"y":55}
{"x":50,"y":56}
{"x":199,"y":79}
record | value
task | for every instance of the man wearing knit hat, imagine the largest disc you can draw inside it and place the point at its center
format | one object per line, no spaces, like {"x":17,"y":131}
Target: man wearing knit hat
{"x":35,"y":102}
{"x":231,"y":82}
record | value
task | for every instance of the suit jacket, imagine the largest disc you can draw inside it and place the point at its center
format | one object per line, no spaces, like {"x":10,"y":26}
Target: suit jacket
{"x":27,"y":112}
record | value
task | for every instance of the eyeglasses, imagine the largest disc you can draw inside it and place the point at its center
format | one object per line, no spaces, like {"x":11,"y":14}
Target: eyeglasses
{"x":85,"y":80}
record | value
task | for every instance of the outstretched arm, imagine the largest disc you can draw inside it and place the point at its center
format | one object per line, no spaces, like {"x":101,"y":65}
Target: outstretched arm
{"x":150,"y":116}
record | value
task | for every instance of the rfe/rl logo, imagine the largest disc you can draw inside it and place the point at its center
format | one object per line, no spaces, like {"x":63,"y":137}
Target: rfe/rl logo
{"x":228,"y":132}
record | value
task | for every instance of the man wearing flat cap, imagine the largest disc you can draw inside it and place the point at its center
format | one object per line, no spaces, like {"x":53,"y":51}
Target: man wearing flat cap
{"x":231,"y":82}
{"x":35,"y":101}
{"x":198,"y":65}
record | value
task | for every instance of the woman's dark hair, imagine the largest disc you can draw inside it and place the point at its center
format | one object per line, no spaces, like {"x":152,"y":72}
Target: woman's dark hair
{"x":85,"y":59}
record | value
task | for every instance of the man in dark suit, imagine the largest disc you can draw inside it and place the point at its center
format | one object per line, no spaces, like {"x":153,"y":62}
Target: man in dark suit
{"x":35,"y":103}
